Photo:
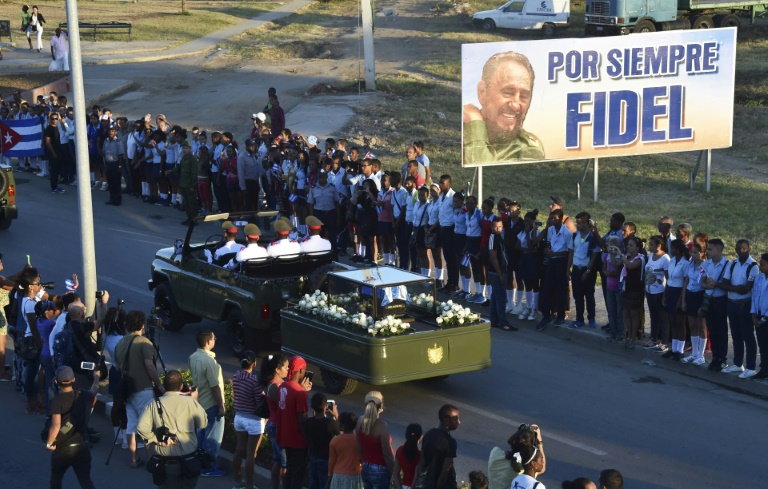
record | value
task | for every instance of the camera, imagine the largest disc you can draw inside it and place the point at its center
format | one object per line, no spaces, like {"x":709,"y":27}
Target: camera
{"x":99,"y":294}
{"x":309,"y":375}
{"x":331,"y":402}
{"x":48,"y":285}
{"x":164,"y":435}
{"x":537,"y":223}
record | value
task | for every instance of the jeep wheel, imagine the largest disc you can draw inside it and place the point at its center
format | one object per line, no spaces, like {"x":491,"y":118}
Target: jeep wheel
{"x":173,"y":319}
{"x":337,"y":384}
{"x":318,"y":280}
{"x":240,"y":336}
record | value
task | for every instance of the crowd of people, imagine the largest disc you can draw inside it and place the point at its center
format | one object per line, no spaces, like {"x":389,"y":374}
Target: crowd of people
{"x":489,"y":253}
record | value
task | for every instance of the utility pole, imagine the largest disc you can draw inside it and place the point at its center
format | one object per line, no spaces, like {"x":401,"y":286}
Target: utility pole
{"x":370,"y":60}
{"x":88,"y":247}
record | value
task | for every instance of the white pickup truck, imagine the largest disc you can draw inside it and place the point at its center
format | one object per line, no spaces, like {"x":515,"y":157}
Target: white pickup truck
{"x":546,"y":15}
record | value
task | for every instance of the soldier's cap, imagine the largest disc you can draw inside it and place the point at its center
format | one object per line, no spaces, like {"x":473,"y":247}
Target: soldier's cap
{"x":113,"y":127}
{"x":558,"y":200}
{"x":252,"y":231}
{"x":313,"y":222}
{"x":288,"y":222}
{"x":260,"y":116}
{"x":281,"y":227}
{"x":228,"y":227}
{"x":186,"y":144}
{"x":65,"y":374}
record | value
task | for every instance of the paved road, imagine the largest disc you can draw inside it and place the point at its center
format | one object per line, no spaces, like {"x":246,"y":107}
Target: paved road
{"x":598,"y":407}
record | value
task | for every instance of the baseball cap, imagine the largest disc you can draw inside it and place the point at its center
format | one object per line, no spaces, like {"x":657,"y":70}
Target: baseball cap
{"x":104,"y":117}
{"x":558,"y":200}
{"x":260,"y":116}
{"x":65,"y":374}
{"x":312,"y":140}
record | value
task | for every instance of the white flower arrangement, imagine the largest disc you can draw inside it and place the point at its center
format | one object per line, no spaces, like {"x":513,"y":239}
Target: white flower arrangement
{"x":455,"y":314}
{"x":424,"y":301}
{"x":330,"y":312}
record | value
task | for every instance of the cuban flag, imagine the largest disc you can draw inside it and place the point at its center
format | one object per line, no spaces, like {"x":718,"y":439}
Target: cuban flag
{"x":369,"y":155}
{"x":467,"y":260}
{"x":21,"y":139}
{"x":293,"y":198}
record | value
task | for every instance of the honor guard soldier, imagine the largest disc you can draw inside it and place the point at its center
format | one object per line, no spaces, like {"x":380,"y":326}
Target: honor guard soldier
{"x":293,"y":233}
{"x":283,"y":246}
{"x":230,"y":246}
{"x":314,"y":242}
{"x":253,"y":250}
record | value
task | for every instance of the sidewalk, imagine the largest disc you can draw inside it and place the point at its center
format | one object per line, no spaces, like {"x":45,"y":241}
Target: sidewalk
{"x":105,"y":53}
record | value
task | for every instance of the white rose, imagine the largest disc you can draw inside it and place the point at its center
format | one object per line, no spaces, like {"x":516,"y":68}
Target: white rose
{"x":317,"y":292}
{"x":467,"y":311}
{"x":449,"y":315}
{"x":313,"y":304}
{"x":377,"y":325}
{"x":450,"y":302}
{"x":302,"y":303}
{"x":372,"y":331}
{"x":393,"y":329}
{"x":461,"y":321}
{"x":439,"y":320}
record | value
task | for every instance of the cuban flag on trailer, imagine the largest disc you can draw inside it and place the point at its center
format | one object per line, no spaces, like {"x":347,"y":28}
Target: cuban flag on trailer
{"x":21,"y":139}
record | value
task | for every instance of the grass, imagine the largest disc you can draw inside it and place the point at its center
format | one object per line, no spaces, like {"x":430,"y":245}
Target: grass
{"x":152,"y":21}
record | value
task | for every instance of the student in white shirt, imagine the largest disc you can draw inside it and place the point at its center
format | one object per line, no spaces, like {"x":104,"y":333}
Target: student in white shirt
{"x":420,"y":216}
{"x":676,"y":273}
{"x":433,"y":228}
{"x":656,"y":274}
{"x":738,"y":280}
{"x":556,"y":278}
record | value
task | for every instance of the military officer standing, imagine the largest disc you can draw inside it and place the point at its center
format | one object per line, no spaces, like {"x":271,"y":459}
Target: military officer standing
{"x":283,"y":245}
{"x":323,"y":200}
{"x":494,"y":133}
{"x":314,"y":242}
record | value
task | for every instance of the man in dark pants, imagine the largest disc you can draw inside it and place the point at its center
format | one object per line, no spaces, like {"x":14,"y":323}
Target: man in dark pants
{"x":403,"y":229}
{"x":68,"y":434}
{"x":717,"y":313}
{"x":249,"y":172}
{"x":187,"y":171}
{"x":556,"y":278}
{"x":738,"y":281}
{"x":53,"y":152}
{"x":114,"y":158}
{"x":438,"y":450}
{"x":323,"y":200}
{"x":759,"y":312}
{"x":446,"y":221}
{"x":293,"y":413}
{"x":582,"y":260}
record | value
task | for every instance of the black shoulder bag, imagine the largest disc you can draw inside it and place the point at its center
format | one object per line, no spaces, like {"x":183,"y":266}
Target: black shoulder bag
{"x":66,"y":429}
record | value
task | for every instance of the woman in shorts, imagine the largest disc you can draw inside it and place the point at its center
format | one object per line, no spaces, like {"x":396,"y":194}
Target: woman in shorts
{"x":248,"y":426}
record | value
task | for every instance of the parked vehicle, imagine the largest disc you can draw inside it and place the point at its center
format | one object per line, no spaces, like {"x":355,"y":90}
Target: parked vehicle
{"x":8,"y":211}
{"x":544,"y":15}
{"x":610,"y":17}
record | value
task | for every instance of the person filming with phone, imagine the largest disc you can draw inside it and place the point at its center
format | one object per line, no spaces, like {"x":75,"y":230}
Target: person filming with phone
{"x":293,"y":413}
{"x":87,"y":358}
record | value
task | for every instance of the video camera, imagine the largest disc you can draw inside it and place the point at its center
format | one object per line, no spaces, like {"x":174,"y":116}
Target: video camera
{"x":48,"y":285}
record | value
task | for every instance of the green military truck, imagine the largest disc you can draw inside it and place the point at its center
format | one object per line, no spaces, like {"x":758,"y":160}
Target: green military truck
{"x":376,"y":325}
{"x":8,"y":210}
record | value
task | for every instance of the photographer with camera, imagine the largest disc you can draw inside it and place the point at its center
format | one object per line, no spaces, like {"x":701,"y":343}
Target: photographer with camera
{"x":169,"y":425}
{"x":86,"y":355}
{"x":135,"y":357}
{"x":67,"y":436}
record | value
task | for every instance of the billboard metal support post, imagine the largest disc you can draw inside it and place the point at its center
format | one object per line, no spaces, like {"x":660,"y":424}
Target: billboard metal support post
{"x":480,"y":184}
{"x":707,"y":170}
{"x":370,"y":59}
{"x":595,"y":171}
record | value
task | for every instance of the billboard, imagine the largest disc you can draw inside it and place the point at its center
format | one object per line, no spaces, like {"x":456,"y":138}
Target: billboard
{"x":564,"y":99}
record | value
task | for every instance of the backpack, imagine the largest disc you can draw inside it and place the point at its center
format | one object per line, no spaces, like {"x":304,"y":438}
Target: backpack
{"x":64,"y":348}
{"x":262,"y":405}
{"x":749,"y":269}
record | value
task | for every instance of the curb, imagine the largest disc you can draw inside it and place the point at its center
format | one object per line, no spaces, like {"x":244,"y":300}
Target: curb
{"x":124,"y":87}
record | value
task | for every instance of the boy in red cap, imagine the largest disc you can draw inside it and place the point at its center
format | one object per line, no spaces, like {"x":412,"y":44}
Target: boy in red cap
{"x":293,"y":412}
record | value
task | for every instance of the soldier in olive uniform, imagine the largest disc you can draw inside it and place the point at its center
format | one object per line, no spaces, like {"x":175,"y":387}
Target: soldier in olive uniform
{"x":494,"y":133}
{"x":187,"y":172}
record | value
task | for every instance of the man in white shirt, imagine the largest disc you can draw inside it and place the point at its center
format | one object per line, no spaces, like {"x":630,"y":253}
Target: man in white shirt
{"x":314,"y":242}
{"x":717,"y":312}
{"x":253,"y":250}
{"x":446,"y":236}
{"x":60,"y":51}
{"x":230,"y":247}
{"x":283,"y":246}
{"x":582,"y":261}
{"x":738,"y":280}
{"x":556,"y":278}
{"x":759,"y":312}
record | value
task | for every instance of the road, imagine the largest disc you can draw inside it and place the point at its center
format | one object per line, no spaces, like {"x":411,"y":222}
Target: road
{"x":598,"y":407}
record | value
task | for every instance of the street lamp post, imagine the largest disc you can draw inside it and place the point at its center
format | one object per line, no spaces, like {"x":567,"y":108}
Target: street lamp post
{"x":83,"y":170}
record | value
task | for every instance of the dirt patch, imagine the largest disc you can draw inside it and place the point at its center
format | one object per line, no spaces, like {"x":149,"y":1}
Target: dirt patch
{"x":25,"y":81}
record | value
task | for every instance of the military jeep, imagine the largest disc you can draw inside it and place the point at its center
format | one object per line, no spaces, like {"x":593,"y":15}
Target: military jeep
{"x":188,"y":286}
{"x":8,"y":211}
